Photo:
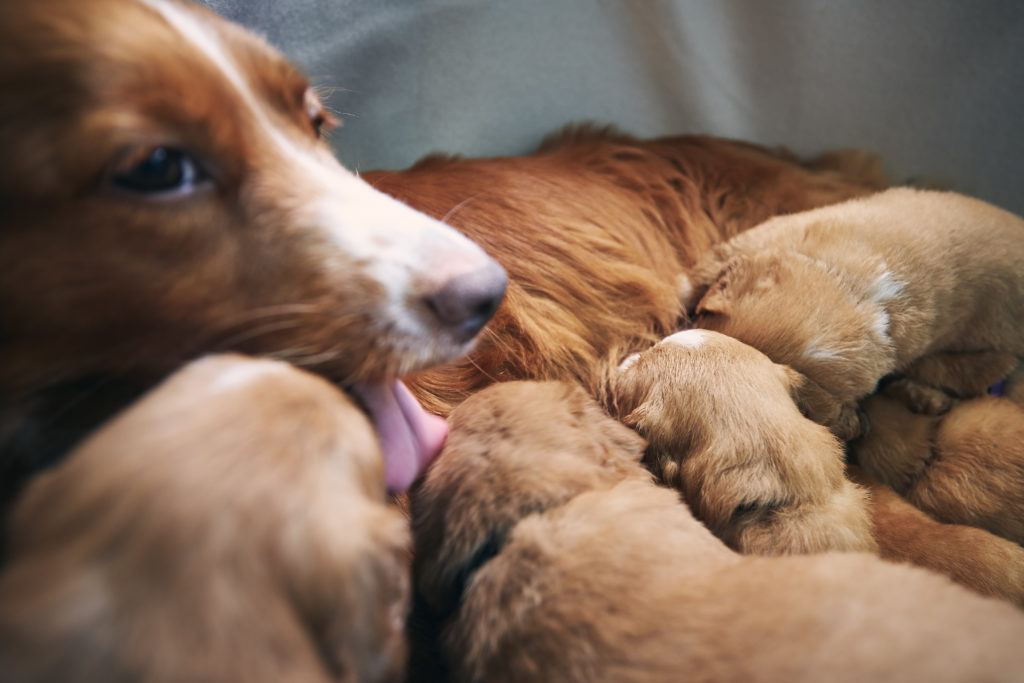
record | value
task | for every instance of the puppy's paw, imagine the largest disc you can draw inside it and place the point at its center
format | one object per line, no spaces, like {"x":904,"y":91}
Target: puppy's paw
{"x":851,"y":422}
{"x":920,"y":398}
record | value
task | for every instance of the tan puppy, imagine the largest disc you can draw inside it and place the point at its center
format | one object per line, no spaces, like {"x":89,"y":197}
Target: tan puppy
{"x":972,"y":557}
{"x":724,"y":430}
{"x":231,"y":526}
{"x":851,"y":293}
{"x":966,"y":466}
{"x":558,"y":559}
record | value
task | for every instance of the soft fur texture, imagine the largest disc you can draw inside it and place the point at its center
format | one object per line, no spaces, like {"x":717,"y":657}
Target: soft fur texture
{"x":165,"y":192}
{"x":573,"y":566}
{"x":965,"y":467}
{"x":231,"y":526}
{"x":973,"y":557}
{"x":724,"y":430}
{"x":851,"y":293}
{"x":595,"y":229}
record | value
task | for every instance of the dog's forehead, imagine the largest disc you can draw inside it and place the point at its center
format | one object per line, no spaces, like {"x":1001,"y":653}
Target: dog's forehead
{"x":106,"y":52}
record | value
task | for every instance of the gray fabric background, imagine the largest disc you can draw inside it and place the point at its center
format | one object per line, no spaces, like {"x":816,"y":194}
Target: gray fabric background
{"x":935,"y":86}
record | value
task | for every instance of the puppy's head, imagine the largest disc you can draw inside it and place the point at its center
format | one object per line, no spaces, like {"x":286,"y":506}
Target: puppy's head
{"x":800,"y":313}
{"x":515,"y":448}
{"x":241,"y":501}
{"x":714,"y":409}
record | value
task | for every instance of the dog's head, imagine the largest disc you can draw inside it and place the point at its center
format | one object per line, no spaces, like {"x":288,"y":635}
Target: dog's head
{"x":715,"y":410}
{"x":514,"y":449}
{"x":166,"y":191}
{"x":241,"y":501}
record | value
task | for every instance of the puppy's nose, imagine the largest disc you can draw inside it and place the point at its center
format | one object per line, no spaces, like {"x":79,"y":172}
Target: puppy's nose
{"x":465,"y":302}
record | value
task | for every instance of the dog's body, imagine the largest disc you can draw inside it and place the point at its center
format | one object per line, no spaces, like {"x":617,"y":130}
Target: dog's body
{"x":557,"y":558}
{"x":852,"y":293}
{"x":231,"y":526}
{"x":724,"y":430}
{"x":964,"y":467}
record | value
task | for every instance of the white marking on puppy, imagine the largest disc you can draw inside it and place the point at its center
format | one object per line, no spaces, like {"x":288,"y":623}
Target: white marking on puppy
{"x":885,"y":288}
{"x":628,"y":362}
{"x":880,"y":327}
{"x":816,"y":349}
{"x":684,"y":288}
{"x":692,"y":339}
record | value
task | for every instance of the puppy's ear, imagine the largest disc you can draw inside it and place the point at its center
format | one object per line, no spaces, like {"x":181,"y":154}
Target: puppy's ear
{"x":820,"y":405}
{"x":715,"y":301}
{"x":814,"y":401}
{"x":739,"y":274}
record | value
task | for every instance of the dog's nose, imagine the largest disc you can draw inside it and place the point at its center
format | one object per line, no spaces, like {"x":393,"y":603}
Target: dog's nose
{"x":465,"y":302}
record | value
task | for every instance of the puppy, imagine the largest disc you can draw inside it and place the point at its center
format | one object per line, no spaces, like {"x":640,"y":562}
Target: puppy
{"x":852,"y":293}
{"x":724,"y":430}
{"x":972,"y":557}
{"x":556,"y":557}
{"x":231,"y":526}
{"x":964,"y":467}
{"x":166,"y":192}
{"x":594,"y":229}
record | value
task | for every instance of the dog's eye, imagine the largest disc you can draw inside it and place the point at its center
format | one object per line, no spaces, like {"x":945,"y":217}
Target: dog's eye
{"x":321,"y":120}
{"x":159,"y":171}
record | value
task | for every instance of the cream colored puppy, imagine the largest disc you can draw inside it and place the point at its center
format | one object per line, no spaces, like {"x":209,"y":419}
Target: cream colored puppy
{"x":555,"y":557}
{"x":725,"y":431}
{"x":851,"y":293}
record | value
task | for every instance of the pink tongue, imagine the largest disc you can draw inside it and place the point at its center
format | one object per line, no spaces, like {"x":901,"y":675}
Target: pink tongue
{"x":409,"y":436}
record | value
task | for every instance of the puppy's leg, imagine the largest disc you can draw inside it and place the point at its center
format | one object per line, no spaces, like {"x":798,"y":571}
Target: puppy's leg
{"x":972,"y":557}
{"x":932,"y":383}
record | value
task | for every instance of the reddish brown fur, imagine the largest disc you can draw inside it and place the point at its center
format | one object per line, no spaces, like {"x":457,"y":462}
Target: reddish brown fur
{"x":231,"y":526}
{"x":965,"y":467}
{"x":723,"y":429}
{"x":597,"y":574}
{"x":851,"y":293}
{"x":594,"y":230}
